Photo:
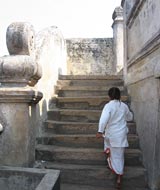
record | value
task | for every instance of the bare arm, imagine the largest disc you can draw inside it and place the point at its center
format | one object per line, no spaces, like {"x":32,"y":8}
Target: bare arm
{"x":129,"y":115}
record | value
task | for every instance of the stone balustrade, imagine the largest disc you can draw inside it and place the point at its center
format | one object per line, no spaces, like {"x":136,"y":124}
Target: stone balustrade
{"x":18,"y":100}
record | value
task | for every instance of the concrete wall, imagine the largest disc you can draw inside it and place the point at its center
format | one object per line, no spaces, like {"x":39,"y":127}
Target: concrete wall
{"x":90,"y":56}
{"x":142,"y":62}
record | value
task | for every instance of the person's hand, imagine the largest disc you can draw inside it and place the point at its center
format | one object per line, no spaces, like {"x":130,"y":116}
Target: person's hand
{"x":99,"y":135}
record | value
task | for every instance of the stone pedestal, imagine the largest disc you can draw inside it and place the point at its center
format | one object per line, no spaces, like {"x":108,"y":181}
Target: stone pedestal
{"x":118,"y":39}
{"x":17,"y":141}
{"x":17,"y":98}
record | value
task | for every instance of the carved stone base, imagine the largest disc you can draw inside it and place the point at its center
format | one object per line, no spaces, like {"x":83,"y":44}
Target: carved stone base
{"x":17,"y":116}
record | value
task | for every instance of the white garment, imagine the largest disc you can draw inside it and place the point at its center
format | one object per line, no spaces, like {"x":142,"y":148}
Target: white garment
{"x":114,"y":126}
{"x":116,"y":157}
{"x":113,"y":123}
{"x":116,"y":160}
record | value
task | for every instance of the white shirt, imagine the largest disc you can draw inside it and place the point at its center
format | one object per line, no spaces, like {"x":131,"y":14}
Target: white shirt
{"x":113,"y":123}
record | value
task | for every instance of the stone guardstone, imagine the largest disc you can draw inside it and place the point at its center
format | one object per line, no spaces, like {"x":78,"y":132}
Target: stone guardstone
{"x":51,"y":55}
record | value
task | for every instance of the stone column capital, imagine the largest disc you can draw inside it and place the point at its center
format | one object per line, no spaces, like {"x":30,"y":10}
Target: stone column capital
{"x":117,"y":16}
{"x":118,"y":12}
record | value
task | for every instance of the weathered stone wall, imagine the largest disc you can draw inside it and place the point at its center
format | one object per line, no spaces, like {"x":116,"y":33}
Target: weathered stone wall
{"x":142,"y":46}
{"x":90,"y":56}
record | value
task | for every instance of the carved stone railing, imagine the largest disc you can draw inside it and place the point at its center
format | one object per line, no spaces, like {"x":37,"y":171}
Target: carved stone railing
{"x":51,"y":55}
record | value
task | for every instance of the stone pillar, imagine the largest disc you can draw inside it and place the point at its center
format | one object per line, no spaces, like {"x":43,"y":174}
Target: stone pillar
{"x":118,"y":38}
{"x":17,"y":98}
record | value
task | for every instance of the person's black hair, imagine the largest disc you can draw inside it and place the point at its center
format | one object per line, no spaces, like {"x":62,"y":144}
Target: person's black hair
{"x":114,"y":93}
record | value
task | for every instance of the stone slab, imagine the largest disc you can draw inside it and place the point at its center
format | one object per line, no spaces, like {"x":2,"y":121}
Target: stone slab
{"x":65,"y":127}
{"x":76,"y":91}
{"x":17,"y":178}
{"x":86,"y":156}
{"x":91,"y":77}
{"x":98,"y":176}
{"x":80,"y":140}
{"x":69,"y":186}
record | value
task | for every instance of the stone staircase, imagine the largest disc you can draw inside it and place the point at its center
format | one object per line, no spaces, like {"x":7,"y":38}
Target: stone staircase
{"x":69,"y":141}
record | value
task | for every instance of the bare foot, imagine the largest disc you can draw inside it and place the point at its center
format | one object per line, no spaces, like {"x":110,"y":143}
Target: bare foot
{"x":119,"y":181}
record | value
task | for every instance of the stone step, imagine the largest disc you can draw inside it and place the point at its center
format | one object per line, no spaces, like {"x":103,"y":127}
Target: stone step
{"x":69,"y":186}
{"x":90,"y":77}
{"x":66,"y":186}
{"x":64,"y":127}
{"x":98,"y":176}
{"x":76,"y":91}
{"x":86,"y":156}
{"x":74,"y":115}
{"x":80,"y":141}
{"x":94,"y":102}
{"x":90,"y":82}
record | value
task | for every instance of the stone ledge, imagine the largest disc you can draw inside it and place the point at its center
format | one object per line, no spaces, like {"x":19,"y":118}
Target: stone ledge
{"x":15,"y":95}
{"x":151,"y":45}
{"x":90,"y":77}
{"x":39,"y":178}
{"x":141,"y":73}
